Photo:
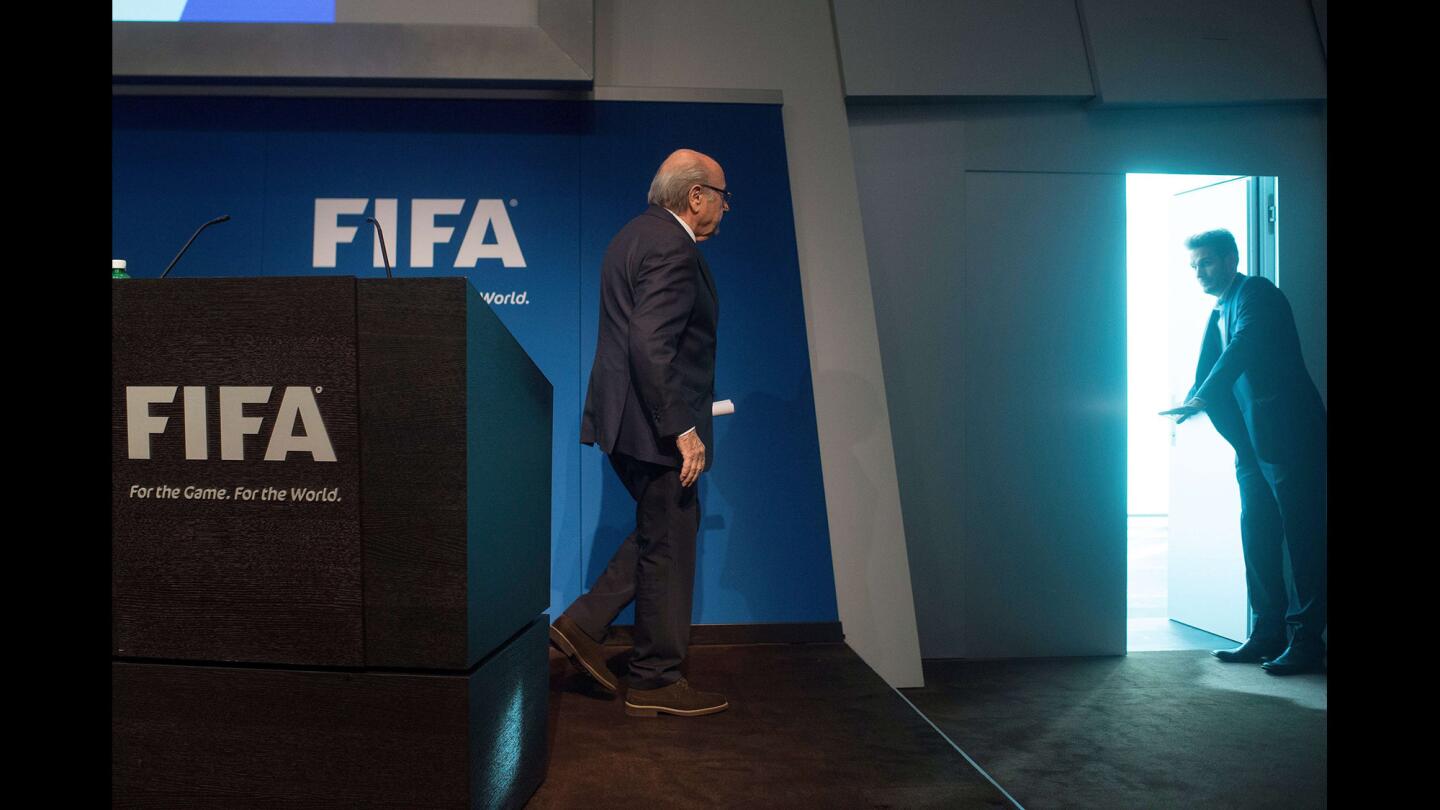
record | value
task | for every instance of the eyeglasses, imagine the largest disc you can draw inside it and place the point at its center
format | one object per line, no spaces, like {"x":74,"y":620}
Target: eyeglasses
{"x":722,"y":192}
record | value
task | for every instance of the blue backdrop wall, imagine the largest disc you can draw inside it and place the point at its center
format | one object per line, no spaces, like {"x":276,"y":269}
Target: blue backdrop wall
{"x":524,"y":197}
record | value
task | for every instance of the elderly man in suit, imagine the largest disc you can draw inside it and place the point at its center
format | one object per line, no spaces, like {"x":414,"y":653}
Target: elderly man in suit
{"x":1252,"y":382}
{"x":648,"y":407}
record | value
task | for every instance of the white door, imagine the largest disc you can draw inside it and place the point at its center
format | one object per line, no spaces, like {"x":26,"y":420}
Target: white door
{"x":1206,"y":568}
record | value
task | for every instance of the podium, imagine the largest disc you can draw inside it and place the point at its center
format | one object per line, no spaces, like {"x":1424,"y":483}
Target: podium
{"x":330,"y":545}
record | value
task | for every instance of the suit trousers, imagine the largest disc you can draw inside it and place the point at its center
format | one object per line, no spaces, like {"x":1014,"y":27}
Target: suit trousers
{"x":655,"y":567}
{"x":1284,"y":503}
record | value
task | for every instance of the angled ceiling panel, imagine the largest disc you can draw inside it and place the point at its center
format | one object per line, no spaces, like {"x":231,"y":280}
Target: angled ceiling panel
{"x":1180,"y":52}
{"x":990,"y":48}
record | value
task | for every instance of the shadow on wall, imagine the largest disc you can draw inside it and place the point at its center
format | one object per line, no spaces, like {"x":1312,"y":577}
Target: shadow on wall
{"x":754,"y":474}
{"x":763,"y":525}
{"x":617,"y":521}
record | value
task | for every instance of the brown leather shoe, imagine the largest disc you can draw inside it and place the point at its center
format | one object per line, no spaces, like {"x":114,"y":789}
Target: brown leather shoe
{"x":677,"y":698}
{"x":587,"y":656}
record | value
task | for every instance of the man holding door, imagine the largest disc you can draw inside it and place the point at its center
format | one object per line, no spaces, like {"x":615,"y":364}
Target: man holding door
{"x":1252,"y":383}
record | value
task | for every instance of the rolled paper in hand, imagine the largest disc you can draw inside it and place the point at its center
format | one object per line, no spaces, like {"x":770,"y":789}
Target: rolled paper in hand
{"x":722,"y":407}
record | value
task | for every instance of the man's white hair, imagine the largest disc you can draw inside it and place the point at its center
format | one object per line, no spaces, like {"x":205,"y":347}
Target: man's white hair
{"x":671,"y":186}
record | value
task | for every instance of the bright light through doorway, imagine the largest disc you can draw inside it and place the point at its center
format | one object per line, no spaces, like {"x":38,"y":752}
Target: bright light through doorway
{"x":1162,"y":301}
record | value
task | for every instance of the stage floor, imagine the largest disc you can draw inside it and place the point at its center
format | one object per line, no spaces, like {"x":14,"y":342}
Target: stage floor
{"x":809,"y":725}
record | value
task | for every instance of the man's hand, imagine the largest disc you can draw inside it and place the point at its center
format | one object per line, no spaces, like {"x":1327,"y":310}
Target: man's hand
{"x":1189,"y":409}
{"x":692,"y":450}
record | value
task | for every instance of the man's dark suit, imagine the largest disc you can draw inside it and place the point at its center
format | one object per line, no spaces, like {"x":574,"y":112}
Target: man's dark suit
{"x":1259,"y":396}
{"x":653,"y":379}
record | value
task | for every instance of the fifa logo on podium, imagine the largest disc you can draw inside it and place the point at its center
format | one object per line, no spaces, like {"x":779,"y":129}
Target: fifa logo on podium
{"x":296,"y":405}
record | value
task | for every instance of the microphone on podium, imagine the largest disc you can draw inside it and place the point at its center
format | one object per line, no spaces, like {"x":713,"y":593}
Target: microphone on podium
{"x":222,"y":218}
{"x":383,"y":252}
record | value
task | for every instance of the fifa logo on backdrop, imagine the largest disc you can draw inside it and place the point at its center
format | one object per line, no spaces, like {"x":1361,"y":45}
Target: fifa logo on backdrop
{"x":297,"y":405}
{"x":489,"y":216}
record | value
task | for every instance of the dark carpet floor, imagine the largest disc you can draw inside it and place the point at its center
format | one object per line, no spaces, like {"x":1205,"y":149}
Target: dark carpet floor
{"x":1151,"y":729}
{"x":812,"y":726}
{"x":809,"y":725}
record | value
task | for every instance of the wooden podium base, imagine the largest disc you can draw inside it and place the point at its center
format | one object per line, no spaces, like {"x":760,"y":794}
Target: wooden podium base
{"x":252,"y":736}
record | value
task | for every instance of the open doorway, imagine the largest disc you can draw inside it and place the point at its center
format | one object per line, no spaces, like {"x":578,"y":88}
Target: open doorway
{"x":1186,"y":574}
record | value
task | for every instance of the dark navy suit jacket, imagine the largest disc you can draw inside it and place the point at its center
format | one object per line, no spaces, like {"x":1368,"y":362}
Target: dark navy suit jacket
{"x":1256,"y":389}
{"x":654,"y":371}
